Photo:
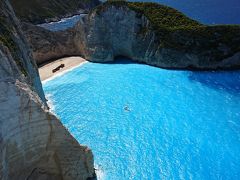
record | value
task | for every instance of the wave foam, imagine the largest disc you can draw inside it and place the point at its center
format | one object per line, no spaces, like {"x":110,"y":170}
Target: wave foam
{"x":99,"y":172}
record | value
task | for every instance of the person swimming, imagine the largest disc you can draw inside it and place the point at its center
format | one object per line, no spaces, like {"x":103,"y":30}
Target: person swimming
{"x":126,"y":108}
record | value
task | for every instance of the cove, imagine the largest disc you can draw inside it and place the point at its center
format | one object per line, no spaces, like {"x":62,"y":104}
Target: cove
{"x":63,"y":24}
{"x":143,"y":122}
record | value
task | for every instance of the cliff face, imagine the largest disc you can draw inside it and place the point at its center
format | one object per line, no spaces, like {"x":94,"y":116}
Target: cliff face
{"x":112,"y":30}
{"x":33,"y":142}
{"x":48,"y":45}
{"x":36,"y":11}
{"x":148,"y":33}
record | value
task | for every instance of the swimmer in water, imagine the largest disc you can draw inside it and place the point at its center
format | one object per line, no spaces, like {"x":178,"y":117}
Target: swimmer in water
{"x":126,"y":108}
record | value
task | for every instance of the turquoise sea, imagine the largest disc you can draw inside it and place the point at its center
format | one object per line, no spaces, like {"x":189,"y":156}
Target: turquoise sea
{"x":143,"y":122}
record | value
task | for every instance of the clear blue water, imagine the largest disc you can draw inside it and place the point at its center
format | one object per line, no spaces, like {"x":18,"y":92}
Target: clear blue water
{"x":146,"y":123}
{"x":63,"y":24}
{"x":207,"y":11}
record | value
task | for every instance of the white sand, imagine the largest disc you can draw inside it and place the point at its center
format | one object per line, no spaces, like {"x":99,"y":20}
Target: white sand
{"x":70,"y":63}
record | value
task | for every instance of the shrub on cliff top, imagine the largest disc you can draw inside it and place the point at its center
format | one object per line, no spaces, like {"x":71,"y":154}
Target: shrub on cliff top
{"x":159,"y":15}
{"x":162,"y":16}
{"x":176,"y":31}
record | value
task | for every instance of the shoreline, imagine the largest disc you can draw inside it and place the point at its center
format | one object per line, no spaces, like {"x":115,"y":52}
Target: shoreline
{"x":45,"y":71}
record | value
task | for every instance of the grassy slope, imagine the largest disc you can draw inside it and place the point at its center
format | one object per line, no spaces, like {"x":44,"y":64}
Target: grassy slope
{"x":177,"y":31}
{"x":38,"y":10}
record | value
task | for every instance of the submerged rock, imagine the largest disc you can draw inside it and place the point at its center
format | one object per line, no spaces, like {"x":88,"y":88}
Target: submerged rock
{"x":33,"y":142}
{"x":145,"y":32}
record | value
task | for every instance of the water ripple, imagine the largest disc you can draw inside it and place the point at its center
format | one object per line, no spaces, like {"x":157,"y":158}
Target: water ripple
{"x":178,"y":124}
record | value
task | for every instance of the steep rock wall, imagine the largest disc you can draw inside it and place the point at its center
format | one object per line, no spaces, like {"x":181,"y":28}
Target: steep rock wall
{"x":33,"y":143}
{"x":48,"y":45}
{"x":117,"y":30}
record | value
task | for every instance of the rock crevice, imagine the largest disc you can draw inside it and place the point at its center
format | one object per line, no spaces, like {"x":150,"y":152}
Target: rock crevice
{"x":119,"y":29}
{"x":33,"y":142}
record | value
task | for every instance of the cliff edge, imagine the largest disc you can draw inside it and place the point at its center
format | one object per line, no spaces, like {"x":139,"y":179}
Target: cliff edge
{"x":33,"y":142}
{"x":36,"y":11}
{"x":158,"y":35}
{"x":145,"y":32}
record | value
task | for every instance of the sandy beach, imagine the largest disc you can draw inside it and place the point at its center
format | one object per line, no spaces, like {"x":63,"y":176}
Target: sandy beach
{"x":46,"y":73}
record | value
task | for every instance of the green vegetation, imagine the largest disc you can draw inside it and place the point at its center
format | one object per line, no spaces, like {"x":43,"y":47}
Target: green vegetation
{"x":5,"y":35}
{"x":159,"y":15}
{"x":36,"y":11}
{"x":176,"y":31}
{"x":7,"y":38}
{"x":162,"y":16}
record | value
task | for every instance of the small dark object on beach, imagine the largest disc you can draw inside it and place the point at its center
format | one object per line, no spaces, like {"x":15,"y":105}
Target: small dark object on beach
{"x":58,"y":68}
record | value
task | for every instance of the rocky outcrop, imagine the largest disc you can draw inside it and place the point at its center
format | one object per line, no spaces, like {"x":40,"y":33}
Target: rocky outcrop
{"x":48,"y":45}
{"x":123,"y":29}
{"x":113,"y":30}
{"x":33,"y":142}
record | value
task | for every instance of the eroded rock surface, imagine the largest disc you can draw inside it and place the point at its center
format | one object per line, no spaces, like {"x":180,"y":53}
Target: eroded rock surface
{"x":120,"y":31}
{"x":48,"y":45}
{"x":113,"y":30}
{"x":33,"y":142}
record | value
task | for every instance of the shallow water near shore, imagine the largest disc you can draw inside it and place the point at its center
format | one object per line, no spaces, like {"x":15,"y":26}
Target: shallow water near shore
{"x":143,"y":122}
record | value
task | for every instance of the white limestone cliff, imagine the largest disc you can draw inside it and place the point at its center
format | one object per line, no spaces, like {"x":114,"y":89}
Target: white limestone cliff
{"x":114,"y":29}
{"x":33,"y":142}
